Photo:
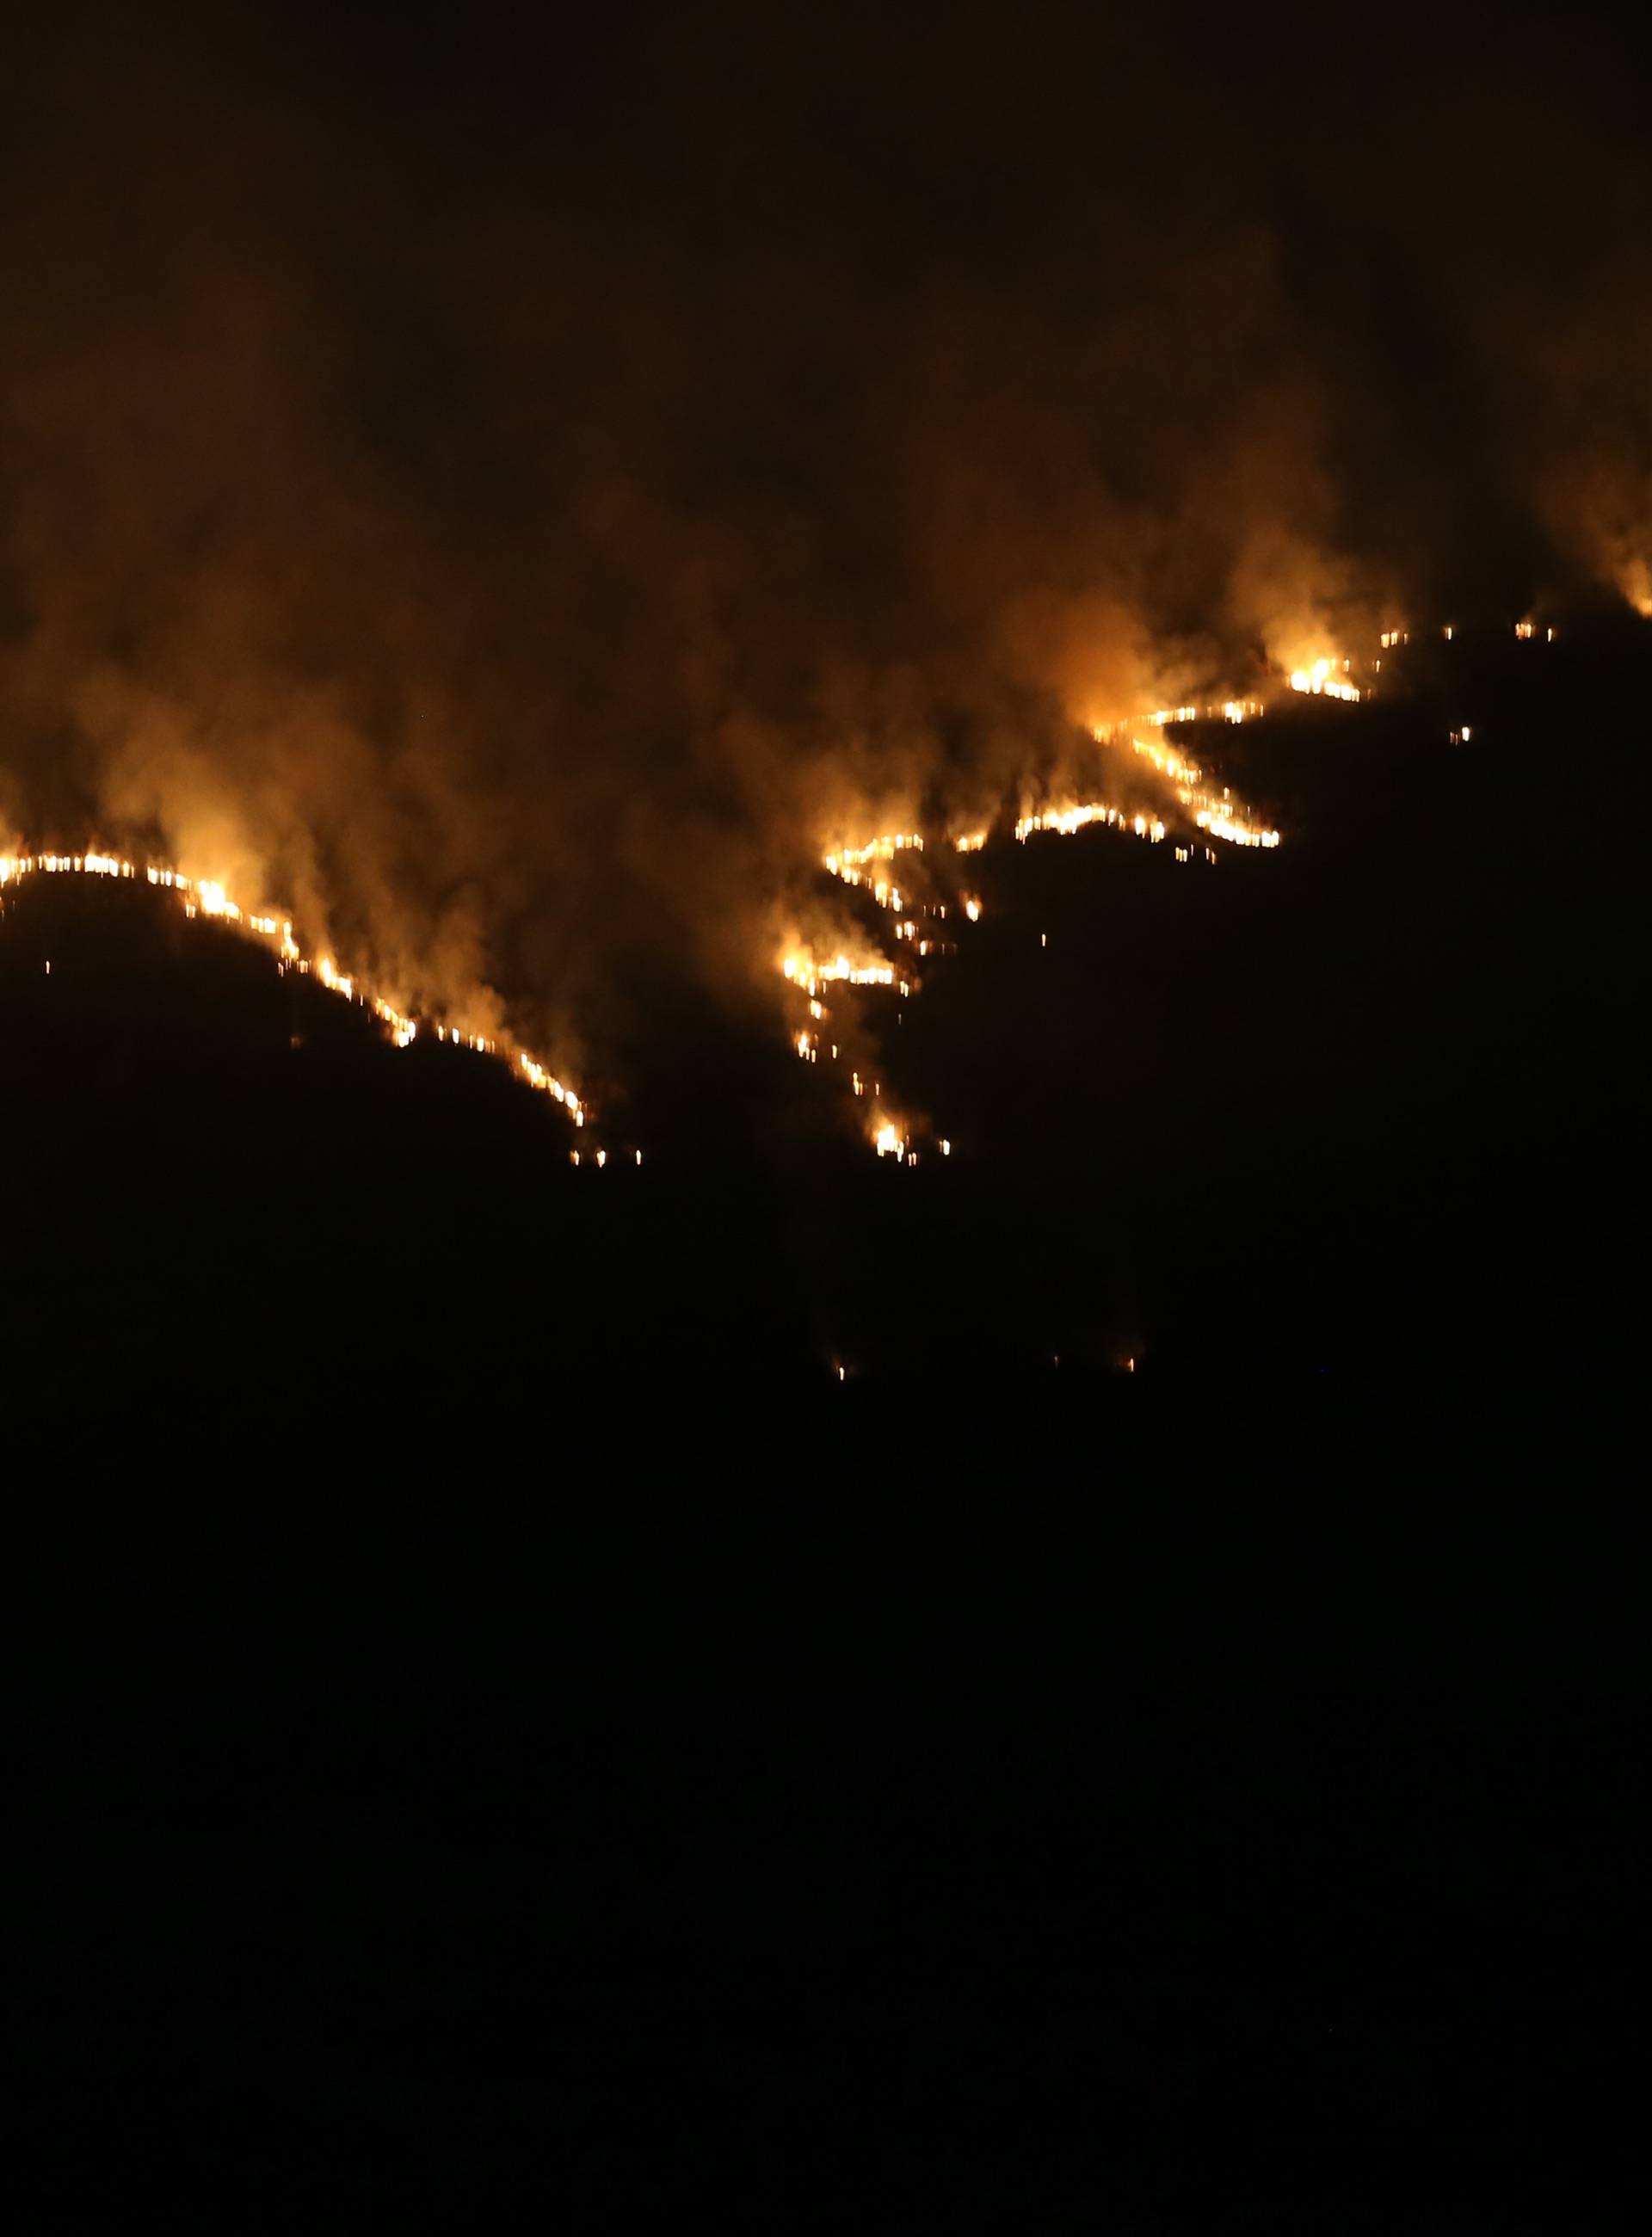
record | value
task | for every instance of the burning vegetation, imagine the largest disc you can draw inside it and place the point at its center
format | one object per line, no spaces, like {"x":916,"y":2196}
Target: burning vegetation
{"x":536,"y":620}
{"x":910,"y":882}
{"x":207,"y":897}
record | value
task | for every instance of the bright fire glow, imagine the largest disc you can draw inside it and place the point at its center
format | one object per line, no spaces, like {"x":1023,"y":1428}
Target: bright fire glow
{"x":1213,"y":811}
{"x":1319,"y":679}
{"x":1067,"y":821}
{"x":207,"y":897}
{"x":808,"y":971}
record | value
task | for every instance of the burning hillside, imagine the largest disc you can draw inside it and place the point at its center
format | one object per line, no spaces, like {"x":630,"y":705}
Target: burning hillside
{"x":518,"y":558}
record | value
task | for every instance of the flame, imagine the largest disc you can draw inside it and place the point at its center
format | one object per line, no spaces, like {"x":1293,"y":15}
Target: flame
{"x":1319,"y":679}
{"x":857,"y":863}
{"x":850,"y":863}
{"x":208,"y":897}
{"x":1067,"y":821}
{"x":803,"y":968}
{"x":1208,"y":809}
{"x":882,"y":849}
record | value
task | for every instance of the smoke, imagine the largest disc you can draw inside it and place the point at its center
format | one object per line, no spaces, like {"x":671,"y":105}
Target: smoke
{"x":514,"y":498}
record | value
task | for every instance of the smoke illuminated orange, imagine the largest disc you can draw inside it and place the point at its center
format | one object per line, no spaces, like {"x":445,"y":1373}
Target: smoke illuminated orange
{"x":207,"y":897}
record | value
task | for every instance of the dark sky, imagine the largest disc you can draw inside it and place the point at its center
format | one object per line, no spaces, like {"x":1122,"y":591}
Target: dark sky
{"x":510,"y":487}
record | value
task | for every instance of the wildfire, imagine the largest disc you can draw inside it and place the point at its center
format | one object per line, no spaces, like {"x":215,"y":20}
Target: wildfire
{"x":889,"y":1141}
{"x":1319,"y":679}
{"x":208,"y":897}
{"x":850,"y":863}
{"x":882,"y":849}
{"x":1067,"y":821}
{"x":1193,"y":805}
{"x":1212,"y":811}
{"x":807,"y":971}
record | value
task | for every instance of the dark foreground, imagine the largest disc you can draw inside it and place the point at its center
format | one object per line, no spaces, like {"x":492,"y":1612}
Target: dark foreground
{"x":498,"y":1733}
{"x":1053,"y":1817}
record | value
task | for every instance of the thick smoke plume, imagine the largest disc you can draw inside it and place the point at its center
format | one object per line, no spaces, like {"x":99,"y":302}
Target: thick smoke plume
{"x":514,"y":497}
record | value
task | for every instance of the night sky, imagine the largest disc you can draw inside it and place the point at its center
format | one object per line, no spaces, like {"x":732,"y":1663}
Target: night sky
{"x":1083,"y":1674}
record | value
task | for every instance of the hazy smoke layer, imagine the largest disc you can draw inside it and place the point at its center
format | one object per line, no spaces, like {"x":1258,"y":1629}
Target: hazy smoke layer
{"x":514,"y":495}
